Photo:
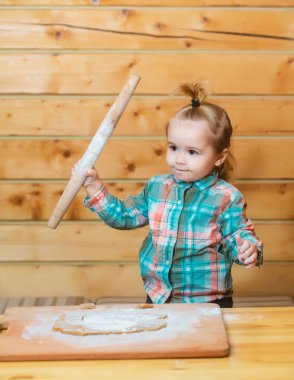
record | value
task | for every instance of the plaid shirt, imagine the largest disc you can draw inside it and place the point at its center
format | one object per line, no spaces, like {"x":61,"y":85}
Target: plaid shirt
{"x":191,"y":245}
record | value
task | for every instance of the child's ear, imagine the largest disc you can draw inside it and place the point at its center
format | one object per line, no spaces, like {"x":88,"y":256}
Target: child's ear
{"x":222,"y":157}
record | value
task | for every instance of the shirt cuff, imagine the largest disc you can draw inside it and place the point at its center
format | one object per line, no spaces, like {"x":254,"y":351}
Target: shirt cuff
{"x":93,"y":203}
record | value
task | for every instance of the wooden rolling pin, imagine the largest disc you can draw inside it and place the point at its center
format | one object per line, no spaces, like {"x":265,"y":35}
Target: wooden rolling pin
{"x":93,"y":151}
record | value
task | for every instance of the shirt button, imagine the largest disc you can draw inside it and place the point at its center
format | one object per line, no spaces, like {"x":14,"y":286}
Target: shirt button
{"x":179,"y":202}
{"x":167,"y":262}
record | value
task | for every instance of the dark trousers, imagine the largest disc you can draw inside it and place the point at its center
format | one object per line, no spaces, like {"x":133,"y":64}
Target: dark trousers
{"x":223,"y":302}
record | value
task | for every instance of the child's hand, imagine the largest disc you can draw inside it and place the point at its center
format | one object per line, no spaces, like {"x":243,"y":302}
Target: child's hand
{"x":247,"y":252}
{"x":92,"y":182}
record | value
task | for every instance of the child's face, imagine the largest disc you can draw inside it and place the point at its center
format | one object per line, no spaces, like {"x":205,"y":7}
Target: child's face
{"x":190,"y":152}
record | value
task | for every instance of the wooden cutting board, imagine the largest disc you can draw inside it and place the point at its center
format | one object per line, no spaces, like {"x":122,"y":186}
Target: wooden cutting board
{"x":193,"y":330}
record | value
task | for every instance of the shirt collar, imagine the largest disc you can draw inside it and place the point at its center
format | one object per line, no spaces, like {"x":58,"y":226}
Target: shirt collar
{"x":201,"y":183}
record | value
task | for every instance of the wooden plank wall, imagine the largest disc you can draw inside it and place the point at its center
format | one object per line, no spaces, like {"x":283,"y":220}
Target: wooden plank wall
{"x":62,"y":64}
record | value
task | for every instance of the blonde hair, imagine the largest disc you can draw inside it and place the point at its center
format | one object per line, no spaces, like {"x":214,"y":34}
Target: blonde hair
{"x":217,"y":118}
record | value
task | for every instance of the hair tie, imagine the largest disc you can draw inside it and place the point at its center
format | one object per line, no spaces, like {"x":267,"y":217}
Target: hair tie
{"x":195,"y":103}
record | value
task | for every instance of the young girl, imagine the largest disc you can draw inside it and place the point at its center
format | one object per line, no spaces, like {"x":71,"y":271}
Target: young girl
{"x":197,"y":222}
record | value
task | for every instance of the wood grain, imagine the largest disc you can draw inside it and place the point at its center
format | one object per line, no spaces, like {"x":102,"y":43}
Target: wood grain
{"x":97,"y":242}
{"x":34,"y":201}
{"x":147,"y":28}
{"x":67,"y":280}
{"x":258,"y":282}
{"x":58,"y":79}
{"x":97,"y":280}
{"x":144,"y":116}
{"x":133,"y":159}
{"x":228,"y":72}
{"x":161,"y":3}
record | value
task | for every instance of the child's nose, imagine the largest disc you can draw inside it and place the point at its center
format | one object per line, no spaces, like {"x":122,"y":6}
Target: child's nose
{"x":180,"y":158}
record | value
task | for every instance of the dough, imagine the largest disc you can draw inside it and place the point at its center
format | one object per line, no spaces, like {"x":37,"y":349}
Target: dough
{"x":145,"y":306}
{"x":89,"y":305}
{"x":109,"y":321}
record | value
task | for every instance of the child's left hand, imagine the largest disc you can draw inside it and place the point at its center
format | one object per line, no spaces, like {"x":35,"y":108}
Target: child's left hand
{"x":247,"y":252}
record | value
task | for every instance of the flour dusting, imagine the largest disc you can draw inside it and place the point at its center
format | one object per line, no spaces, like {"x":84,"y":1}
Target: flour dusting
{"x":242,"y":317}
{"x":177,"y":323}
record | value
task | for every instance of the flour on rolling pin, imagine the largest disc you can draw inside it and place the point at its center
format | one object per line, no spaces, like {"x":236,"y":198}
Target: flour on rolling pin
{"x":90,"y":321}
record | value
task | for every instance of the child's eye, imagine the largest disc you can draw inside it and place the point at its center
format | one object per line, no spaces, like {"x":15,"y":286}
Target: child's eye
{"x":192,"y":152}
{"x":173,"y":148}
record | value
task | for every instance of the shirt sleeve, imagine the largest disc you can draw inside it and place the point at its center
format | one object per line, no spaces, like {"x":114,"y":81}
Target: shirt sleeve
{"x":126,"y":214}
{"x":233,"y":223}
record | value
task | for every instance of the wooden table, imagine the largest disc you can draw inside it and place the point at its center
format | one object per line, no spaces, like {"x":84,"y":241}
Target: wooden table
{"x":262,"y":347}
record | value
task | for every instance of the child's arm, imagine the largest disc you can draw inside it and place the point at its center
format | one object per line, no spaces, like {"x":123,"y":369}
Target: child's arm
{"x":239,"y":237}
{"x":130,"y":213}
